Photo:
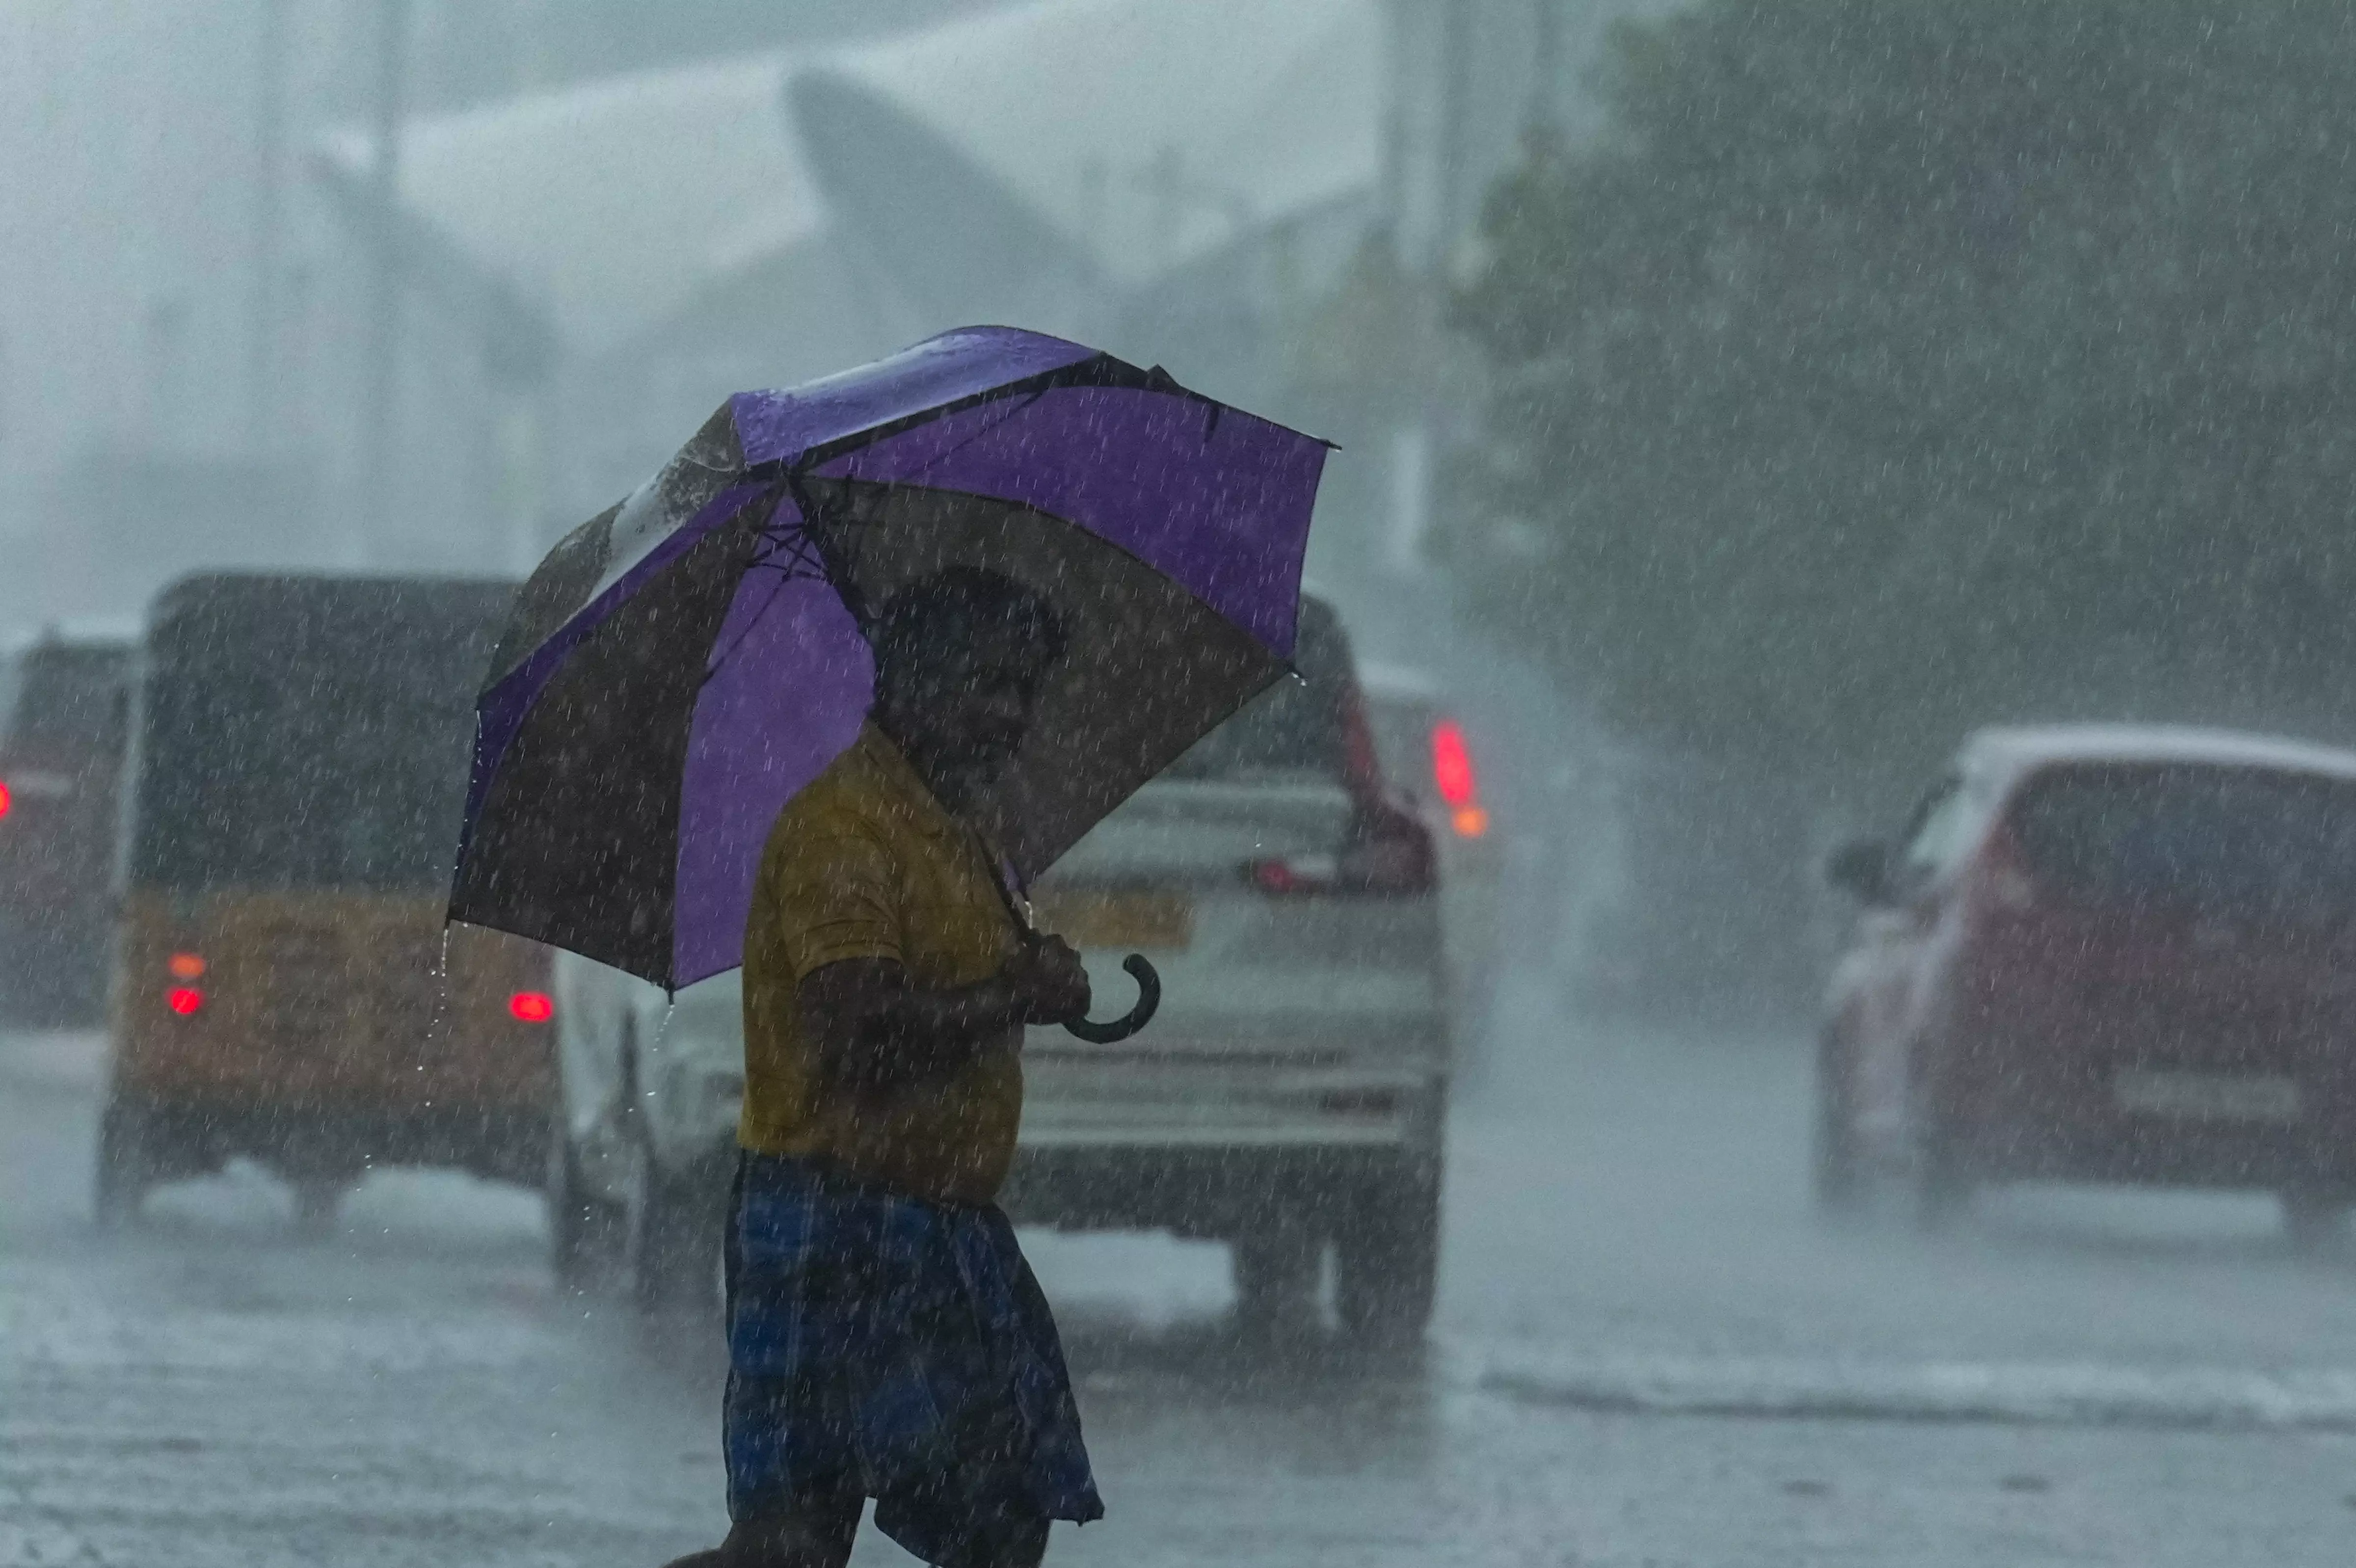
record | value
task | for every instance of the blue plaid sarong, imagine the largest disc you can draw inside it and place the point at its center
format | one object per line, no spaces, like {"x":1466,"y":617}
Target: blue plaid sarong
{"x":879,"y":1345}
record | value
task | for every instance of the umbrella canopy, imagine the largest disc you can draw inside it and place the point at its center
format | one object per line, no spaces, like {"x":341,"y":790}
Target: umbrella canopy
{"x":681,"y":666}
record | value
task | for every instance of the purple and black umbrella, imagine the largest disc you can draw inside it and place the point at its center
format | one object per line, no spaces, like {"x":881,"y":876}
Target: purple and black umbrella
{"x":680,"y":665}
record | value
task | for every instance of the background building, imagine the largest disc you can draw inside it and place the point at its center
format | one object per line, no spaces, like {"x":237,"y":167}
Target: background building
{"x":612,"y":214}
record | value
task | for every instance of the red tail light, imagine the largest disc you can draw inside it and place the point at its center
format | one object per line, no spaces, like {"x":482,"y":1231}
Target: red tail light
{"x":5,"y":800}
{"x":1452,"y":775}
{"x":1452,"y":763}
{"x":1298,"y":874}
{"x":184,"y":1000}
{"x":533,"y":1006}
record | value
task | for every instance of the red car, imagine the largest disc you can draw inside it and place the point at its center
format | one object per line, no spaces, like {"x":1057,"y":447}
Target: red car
{"x":2103,"y":954}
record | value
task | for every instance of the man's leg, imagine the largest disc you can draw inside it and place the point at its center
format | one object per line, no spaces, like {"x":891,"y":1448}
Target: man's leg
{"x":1014,"y":1544}
{"x":988,"y":1538}
{"x":815,"y":1532}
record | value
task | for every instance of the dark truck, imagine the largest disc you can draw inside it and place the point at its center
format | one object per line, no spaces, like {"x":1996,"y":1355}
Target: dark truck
{"x":284,"y":986}
{"x":63,"y":703}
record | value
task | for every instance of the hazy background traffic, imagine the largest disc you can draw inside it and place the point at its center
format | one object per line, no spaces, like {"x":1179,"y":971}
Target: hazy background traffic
{"x":1737,"y":403}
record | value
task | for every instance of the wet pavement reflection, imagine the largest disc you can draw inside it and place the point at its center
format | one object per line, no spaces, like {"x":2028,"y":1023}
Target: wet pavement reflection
{"x":1663,"y":1363}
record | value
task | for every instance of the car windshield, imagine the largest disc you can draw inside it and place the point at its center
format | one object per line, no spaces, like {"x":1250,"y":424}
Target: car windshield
{"x":308,"y":734}
{"x":2218,"y":842}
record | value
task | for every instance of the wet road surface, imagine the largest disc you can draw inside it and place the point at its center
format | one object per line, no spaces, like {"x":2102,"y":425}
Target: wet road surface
{"x":1649,"y":1354}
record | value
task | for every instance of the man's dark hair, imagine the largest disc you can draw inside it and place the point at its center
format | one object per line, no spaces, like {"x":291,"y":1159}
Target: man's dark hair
{"x":950,"y":608}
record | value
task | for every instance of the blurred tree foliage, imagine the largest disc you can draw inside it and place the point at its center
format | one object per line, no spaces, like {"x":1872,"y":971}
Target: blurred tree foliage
{"x":1896,"y":365}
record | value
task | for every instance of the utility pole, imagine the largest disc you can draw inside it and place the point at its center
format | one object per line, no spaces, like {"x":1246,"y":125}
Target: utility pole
{"x":1546,"y":61}
{"x":1431,"y":86}
{"x":1449,"y":135}
{"x":380,"y":402}
{"x":269,"y":165}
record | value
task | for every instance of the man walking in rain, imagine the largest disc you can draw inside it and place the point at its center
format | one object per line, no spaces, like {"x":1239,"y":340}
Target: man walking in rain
{"x":886,"y":1337}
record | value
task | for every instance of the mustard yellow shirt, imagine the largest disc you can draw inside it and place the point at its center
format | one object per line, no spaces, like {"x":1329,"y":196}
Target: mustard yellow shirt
{"x":864,"y":863}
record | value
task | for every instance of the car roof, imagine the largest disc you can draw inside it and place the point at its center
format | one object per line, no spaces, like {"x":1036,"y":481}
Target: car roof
{"x":98,"y":632}
{"x":1397,"y":683}
{"x":2016,"y":750}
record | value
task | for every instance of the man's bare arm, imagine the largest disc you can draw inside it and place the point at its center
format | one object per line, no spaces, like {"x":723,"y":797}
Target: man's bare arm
{"x":876,"y":1029}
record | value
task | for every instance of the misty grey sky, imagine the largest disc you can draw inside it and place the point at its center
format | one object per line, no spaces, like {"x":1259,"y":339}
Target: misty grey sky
{"x":130,"y":287}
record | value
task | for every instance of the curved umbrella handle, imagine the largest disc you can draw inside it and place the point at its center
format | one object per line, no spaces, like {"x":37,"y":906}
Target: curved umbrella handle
{"x":1149,"y":997}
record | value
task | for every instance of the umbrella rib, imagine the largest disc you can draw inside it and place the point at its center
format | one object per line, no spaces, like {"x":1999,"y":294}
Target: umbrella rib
{"x":803,"y":564}
{"x":938,"y":458}
{"x":1099,"y":370}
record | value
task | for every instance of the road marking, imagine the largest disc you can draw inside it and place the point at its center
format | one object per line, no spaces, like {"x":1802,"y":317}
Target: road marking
{"x":2001,"y":1394}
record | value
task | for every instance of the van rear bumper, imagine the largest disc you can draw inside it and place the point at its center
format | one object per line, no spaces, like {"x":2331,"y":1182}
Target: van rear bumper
{"x":187,"y":1138}
{"x":2136,"y":1094}
{"x":1207,"y":1190}
{"x":2316,"y":1150}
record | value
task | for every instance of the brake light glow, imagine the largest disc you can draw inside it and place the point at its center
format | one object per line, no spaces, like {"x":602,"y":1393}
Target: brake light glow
{"x":186,"y":965}
{"x":1459,"y":786}
{"x":1452,"y":763}
{"x":5,"y":800}
{"x":531,"y":1007}
{"x":1301,"y":874}
{"x":2011,"y":889}
{"x":2004,"y":880}
{"x":184,"y":999}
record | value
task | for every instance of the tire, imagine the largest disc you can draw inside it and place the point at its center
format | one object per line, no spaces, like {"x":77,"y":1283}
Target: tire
{"x":585,"y":1232}
{"x":125,"y":1170}
{"x":318,"y":1200}
{"x":673,"y":1242}
{"x":1387,"y":1258}
{"x":671,"y":1224}
{"x":1838,"y":1167}
{"x":1941,"y":1175}
{"x":1944,"y":1183}
{"x":1275,"y":1270}
{"x":2313,"y":1221}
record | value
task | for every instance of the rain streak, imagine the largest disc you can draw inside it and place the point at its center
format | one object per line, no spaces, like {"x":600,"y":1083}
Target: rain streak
{"x":1295,"y":783}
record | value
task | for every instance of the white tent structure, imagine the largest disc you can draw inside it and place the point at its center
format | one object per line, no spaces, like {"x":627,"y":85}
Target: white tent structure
{"x":1130,"y":138}
{"x":1149,"y":133}
{"x":1157,"y":176}
{"x":606,"y":208}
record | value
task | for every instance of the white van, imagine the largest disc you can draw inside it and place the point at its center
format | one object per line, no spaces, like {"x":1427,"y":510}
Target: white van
{"x":1288,"y":1099}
